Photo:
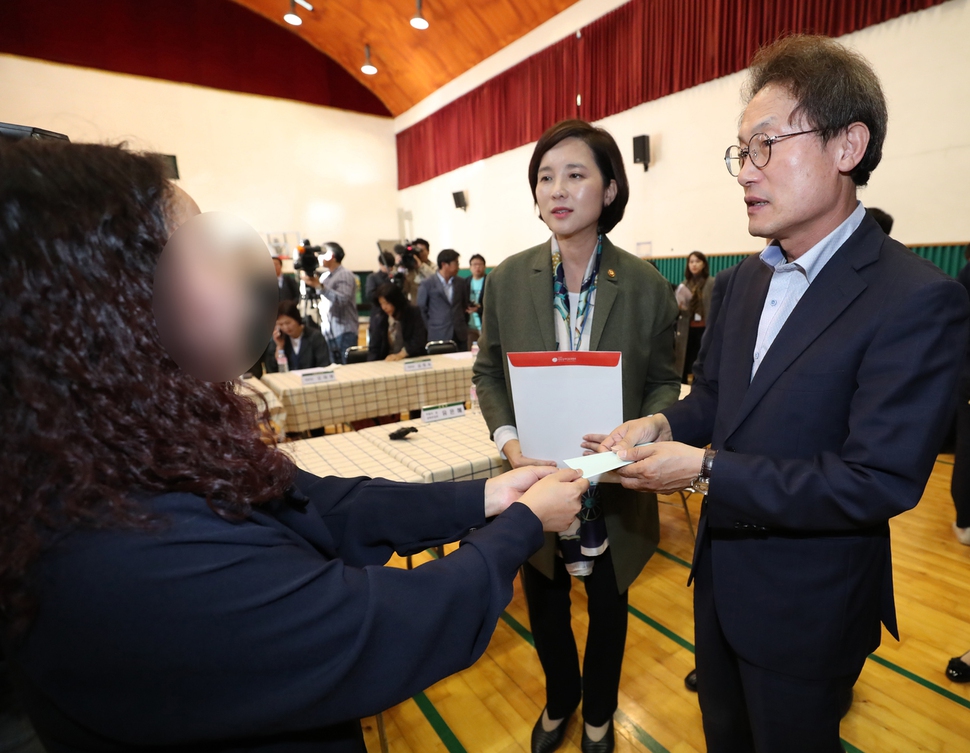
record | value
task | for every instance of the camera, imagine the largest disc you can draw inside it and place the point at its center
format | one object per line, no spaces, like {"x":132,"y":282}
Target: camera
{"x":309,"y":261}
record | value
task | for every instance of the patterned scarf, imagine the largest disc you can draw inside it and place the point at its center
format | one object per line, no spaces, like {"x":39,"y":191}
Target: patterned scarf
{"x":560,"y":294}
{"x":586,"y":538}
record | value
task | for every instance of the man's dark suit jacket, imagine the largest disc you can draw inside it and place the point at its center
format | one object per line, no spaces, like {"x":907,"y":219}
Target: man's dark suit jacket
{"x":414,"y":332}
{"x":445,"y":321}
{"x":273,"y":634}
{"x":314,"y":352}
{"x":377,"y":347}
{"x":836,"y":434}
{"x":290,"y":289}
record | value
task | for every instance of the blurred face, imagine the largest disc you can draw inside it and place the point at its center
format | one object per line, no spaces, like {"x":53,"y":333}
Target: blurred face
{"x":449,"y":270}
{"x":214,"y":292}
{"x":386,"y":307}
{"x":478,"y":268}
{"x":695,"y":265}
{"x":803,"y":192}
{"x":423,"y":252}
{"x":570,"y":191}
{"x":289,"y":326}
{"x":278,"y":266}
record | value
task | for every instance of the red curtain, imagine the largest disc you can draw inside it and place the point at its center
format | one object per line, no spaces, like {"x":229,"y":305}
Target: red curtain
{"x":213,"y":43}
{"x":639,"y":52}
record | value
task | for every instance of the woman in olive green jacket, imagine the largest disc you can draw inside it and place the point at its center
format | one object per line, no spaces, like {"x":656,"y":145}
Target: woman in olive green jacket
{"x":577,"y":291}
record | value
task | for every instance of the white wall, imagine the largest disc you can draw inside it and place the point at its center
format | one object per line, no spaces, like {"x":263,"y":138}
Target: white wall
{"x":688,"y":201}
{"x":279,"y":165}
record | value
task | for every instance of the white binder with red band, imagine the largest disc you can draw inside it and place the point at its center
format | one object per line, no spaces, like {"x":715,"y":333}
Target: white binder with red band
{"x":558,"y":396}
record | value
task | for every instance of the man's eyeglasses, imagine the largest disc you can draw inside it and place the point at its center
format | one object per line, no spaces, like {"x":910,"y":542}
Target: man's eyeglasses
{"x":758,"y":150}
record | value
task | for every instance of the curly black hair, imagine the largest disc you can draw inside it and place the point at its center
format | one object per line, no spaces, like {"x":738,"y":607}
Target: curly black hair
{"x":95,"y":413}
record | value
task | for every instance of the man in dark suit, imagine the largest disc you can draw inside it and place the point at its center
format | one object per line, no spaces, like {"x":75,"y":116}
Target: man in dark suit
{"x":289,"y":288}
{"x":824,"y":386}
{"x":444,"y":303}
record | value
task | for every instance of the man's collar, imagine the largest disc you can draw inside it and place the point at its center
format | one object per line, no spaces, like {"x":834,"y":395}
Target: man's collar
{"x":812,"y":261}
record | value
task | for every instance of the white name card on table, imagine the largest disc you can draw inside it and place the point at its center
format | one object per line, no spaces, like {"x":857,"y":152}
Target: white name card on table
{"x":559,"y":396}
{"x":317,"y":376}
{"x":421,"y":364}
{"x":432,"y":413}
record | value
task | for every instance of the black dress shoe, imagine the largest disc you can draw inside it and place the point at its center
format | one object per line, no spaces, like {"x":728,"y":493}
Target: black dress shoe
{"x":958,"y":670}
{"x":690,"y":682}
{"x":603,"y":745}
{"x":546,"y":742}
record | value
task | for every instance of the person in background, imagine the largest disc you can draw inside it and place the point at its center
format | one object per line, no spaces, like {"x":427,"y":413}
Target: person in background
{"x":339,"y":287}
{"x":884,"y":219}
{"x":589,"y":295}
{"x":824,"y":387}
{"x":377,"y":327}
{"x":168,"y":581}
{"x":289,"y":287}
{"x":476,"y":297}
{"x":443,"y":301}
{"x":425,"y":269}
{"x":303,"y":347}
{"x":694,"y":300}
{"x":958,"y":669}
{"x":413,"y":333}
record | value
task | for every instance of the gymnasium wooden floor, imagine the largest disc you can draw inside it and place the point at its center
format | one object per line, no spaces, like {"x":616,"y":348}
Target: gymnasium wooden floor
{"x":903,"y":701}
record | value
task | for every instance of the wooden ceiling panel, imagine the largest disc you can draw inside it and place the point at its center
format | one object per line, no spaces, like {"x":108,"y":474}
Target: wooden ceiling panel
{"x":411,"y":63}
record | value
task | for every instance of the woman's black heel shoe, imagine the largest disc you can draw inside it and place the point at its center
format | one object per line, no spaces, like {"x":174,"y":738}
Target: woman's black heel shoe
{"x":603,"y":745}
{"x":546,"y":742}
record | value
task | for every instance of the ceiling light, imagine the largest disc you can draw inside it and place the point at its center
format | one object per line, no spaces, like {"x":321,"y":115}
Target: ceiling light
{"x":368,"y":67}
{"x":419,"y":21}
{"x":291,"y":17}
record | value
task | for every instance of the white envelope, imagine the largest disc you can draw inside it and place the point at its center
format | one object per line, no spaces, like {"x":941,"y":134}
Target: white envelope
{"x":559,"y":396}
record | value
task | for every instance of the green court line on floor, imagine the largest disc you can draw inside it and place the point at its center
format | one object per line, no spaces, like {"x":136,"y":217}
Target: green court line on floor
{"x":662,"y":629}
{"x":673,"y":557}
{"x":945,"y":462}
{"x":920,"y":681}
{"x":439,"y":725}
{"x":518,"y":627}
{"x":644,"y":739}
{"x":849,"y":747}
{"x":909,"y":675}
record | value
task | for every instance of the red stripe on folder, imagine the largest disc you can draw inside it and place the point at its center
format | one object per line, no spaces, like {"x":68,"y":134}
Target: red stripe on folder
{"x":565,"y":358}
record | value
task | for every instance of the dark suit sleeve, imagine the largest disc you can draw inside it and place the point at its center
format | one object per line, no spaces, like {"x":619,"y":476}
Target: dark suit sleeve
{"x":319,"y":350}
{"x":897,"y":419}
{"x":213,"y":630}
{"x":692,"y":419}
{"x":415,"y":333}
{"x":489,"y":369}
{"x":423,"y":302}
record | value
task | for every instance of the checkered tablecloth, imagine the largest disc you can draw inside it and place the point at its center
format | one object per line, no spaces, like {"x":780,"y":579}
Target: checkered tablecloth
{"x":258,"y":392}
{"x":375,"y":388}
{"x":347,"y":455}
{"x":456,"y":449}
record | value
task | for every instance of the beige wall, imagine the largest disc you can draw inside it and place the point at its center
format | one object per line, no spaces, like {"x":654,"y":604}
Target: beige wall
{"x":688,"y":201}
{"x":278,"y":164}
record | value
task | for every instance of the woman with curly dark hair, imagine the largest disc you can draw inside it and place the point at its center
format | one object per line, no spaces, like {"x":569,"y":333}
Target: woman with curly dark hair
{"x":167,"y":580}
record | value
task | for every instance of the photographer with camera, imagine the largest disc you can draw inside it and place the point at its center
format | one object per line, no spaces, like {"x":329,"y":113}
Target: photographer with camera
{"x":425,"y":268}
{"x":339,"y":287}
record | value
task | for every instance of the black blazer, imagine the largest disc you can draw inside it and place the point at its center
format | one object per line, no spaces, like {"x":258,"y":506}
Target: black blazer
{"x":276,"y":633}
{"x":377,"y":347}
{"x":314,"y":352}
{"x":290,"y":290}
{"x":836,"y":434}
{"x":445,"y":321}
{"x":414,"y":332}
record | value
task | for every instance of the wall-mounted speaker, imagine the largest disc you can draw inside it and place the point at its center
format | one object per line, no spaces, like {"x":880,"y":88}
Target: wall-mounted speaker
{"x":460,"y":201}
{"x":641,"y":151}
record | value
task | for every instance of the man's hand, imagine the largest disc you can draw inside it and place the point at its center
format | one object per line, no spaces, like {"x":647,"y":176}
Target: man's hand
{"x":513,"y":451}
{"x":557,"y":499}
{"x":625,"y":436}
{"x":502,"y":491}
{"x":661,"y":467}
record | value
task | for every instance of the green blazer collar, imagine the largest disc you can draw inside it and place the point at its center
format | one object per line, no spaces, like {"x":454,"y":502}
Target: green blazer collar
{"x":540,"y":285}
